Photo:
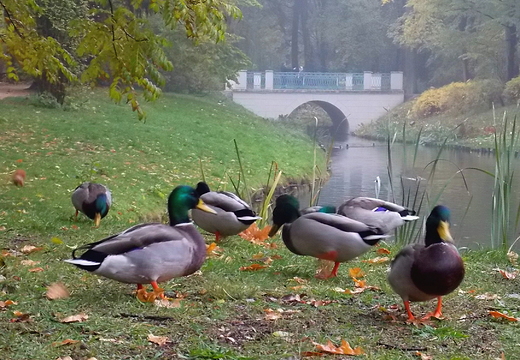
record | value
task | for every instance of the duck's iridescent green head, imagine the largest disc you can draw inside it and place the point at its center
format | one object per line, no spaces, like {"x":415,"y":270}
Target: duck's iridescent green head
{"x":181,"y":200}
{"x":438,"y":226}
{"x":286,"y":211}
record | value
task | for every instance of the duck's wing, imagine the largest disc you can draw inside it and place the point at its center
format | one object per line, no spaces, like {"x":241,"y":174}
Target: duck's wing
{"x":224,"y":200}
{"x":374,"y":204}
{"x":341,"y":222}
{"x":136,"y":237}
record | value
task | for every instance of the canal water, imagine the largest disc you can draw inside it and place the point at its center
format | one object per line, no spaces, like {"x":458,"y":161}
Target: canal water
{"x":356,"y":163}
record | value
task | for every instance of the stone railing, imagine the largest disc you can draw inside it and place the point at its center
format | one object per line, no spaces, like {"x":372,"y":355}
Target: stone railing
{"x":270,"y":80}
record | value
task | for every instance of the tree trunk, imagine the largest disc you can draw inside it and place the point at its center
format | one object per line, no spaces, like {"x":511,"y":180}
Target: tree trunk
{"x":308,"y":53}
{"x":294,"y":35}
{"x":409,"y":73}
{"x":511,"y":45}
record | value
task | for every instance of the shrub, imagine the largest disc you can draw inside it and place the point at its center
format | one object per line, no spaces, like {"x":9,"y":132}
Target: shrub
{"x":458,"y":98}
{"x":512,"y":90}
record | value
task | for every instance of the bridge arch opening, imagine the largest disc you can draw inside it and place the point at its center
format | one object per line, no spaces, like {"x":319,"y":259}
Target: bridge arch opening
{"x":339,"y":129}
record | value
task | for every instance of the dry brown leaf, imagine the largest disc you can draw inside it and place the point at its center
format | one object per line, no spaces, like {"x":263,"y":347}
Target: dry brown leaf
{"x":299,"y":280}
{"x":159,"y":340}
{"x":383,"y":251}
{"x":5,"y":304}
{"x":497,"y":315}
{"x":343,"y":349}
{"x":508,"y":275}
{"x":169,"y":304}
{"x":487,"y":296}
{"x":57,"y":291}
{"x":271,"y":314}
{"x":21,"y":317}
{"x":28,"y":262}
{"x":74,"y":318}
{"x":27,"y":249}
{"x":38,"y":269}
{"x":377,"y":260}
{"x":423,"y":356}
{"x":513,"y":257}
{"x":356,"y":272}
{"x":256,"y":235}
{"x":253,"y":267}
{"x":311,"y":353}
{"x":65,"y":342}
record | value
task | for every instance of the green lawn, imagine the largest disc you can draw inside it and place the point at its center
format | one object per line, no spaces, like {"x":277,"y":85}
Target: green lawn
{"x":221,"y":311}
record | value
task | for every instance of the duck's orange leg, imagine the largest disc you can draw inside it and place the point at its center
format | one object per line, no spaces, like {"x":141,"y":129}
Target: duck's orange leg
{"x":438,"y":310}
{"x":411,"y":318}
{"x":159,"y":292}
{"x":217,"y":237}
{"x":334,"y":271}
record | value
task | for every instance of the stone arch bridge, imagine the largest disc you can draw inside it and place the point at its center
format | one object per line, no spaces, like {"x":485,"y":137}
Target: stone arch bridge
{"x":349,"y":99}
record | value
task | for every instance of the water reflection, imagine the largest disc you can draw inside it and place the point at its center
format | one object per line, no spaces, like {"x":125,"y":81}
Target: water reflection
{"x":354,"y":170}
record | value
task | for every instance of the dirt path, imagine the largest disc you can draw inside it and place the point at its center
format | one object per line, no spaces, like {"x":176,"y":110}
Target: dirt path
{"x":18,"y":89}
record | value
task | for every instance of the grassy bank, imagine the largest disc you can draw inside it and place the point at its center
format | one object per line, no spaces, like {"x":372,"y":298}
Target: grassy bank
{"x":472,"y":129}
{"x":223,"y":311}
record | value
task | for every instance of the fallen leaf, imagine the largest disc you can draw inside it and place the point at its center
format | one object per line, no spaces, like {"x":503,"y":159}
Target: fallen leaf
{"x":271,"y":314}
{"x":508,"y":275}
{"x":169,"y":304}
{"x":256,"y":235}
{"x":65,"y":342}
{"x":291,"y":298}
{"x":64,"y":358}
{"x":383,"y":251}
{"x":356,"y":272}
{"x":74,"y":318}
{"x":253,"y":267}
{"x":299,"y":280}
{"x":377,"y":260}
{"x":513,"y":257}
{"x":343,"y":349}
{"x":7,"y":303}
{"x":21,"y":317}
{"x":38,"y":269}
{"x":57,"y":291}
{"x":28,"y":262}
{"x":27,"y":249}
{"x":311,"y":353}
{"x":213,"y":249}
{"x":487,"y":296}
{"x":423,"y":356}
{"x":497,"y":315}
{"x":159,"y":340}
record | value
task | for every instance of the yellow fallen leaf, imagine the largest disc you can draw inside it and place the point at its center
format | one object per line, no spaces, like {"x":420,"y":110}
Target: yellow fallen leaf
{"x":343,"y":349}
{"x":38,"y":269}
{"x":384,"y":251}
{"x":57,"y":291}
{"x":4,"y":304}
{"x":213,"y":249}
{"x":57,"y":240}
{"x":74,"y":318}
{"x":356,"y":272}
{"x":159,"y":340}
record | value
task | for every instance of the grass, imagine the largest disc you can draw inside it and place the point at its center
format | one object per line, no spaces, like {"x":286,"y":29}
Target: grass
{"x":222,"y":309}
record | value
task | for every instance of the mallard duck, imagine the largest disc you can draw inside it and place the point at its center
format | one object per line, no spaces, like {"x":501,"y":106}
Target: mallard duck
{"x":233,"y":214}
{"x":93,"y":200}
{"x":150,"y":253}
{"x":423,"y":272}
{"x":322,"y":235}
{"x":383,"y":215}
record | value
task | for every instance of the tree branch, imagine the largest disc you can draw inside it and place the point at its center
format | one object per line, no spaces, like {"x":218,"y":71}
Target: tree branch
{"x":112,"y":29}
{"x":8,"y":14}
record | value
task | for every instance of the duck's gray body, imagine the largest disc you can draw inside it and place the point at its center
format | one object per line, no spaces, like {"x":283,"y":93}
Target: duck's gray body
{"x":233,"y":215}
{"x":329,"y":236}
{"x":145,"y":253}
{"x":383,"y":215}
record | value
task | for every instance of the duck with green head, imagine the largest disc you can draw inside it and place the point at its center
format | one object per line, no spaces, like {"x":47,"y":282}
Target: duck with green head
{"x":322,"y":235}
{"x":93,"y":200}
{"x":150,"y":253}
{"x":423,"y":272}
{"x":234,"y":215}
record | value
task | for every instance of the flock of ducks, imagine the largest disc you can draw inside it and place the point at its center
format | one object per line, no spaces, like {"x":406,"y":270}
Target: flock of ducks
{"x":152,"y":253}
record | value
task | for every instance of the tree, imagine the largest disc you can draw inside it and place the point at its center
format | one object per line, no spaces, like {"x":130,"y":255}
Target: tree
{"x":111,"y":40}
